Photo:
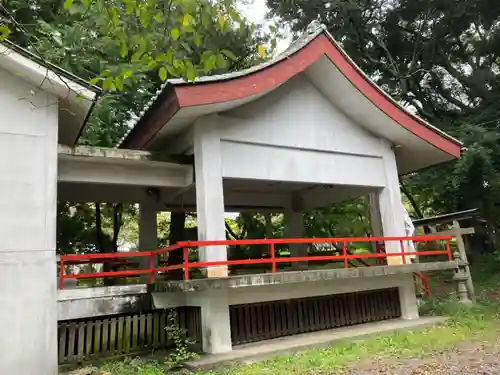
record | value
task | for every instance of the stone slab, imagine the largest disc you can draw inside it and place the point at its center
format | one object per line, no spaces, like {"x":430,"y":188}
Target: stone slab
{"x":298,"y":277}
{"x":248,"y":353}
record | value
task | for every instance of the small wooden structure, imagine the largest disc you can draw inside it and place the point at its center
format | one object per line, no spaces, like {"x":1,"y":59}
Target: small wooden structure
{"x":451,"y":224}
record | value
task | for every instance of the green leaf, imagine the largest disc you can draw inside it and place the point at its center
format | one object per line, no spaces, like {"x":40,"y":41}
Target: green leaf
{"x":162,"y":73}
{"x":261,"y":50}
{"x":273,"y":29}
{"x":222,"y":20}
{"x":118,"y":83}
{"x":171,"y":70}
{"x":136,"y":57}
{"x":229,"y":54}
{"x":128,"y":74}
{"x":4,"y":32}
{"x":67,"y":4}
{"x":233,"y":13}
{"x":191,"y":73}
{"x":124,"y":49}
{"x":94,"y":81}
{"x":221,"y":61}
{"x":176,"y":33}
{"x":108,"y":84}
{"x":197,"y":40}
{"x":186,"y":20}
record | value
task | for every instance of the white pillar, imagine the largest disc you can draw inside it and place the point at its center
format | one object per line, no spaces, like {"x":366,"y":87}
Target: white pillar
{"x":390,"y":205}
{"x":209,"y":192}
{"x":28,"y":206}
{"x":215,"y":324}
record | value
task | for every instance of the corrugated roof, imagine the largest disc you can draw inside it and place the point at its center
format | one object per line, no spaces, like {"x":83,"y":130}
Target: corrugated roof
{"x":46,"y":64}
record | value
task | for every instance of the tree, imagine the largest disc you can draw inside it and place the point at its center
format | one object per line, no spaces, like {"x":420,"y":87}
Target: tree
{"x":441,"y":59}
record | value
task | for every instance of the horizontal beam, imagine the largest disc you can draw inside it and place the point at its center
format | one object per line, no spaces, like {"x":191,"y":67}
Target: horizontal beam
{"x":182,"y":199}
{"x":447,"y":218}
{"x":90,"y":170}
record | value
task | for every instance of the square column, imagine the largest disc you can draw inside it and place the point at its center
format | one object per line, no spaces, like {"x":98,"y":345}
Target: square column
{"x":390,"y":206}
{"x":28,"y":211}
{"x":209,"y":192}
{"x":408,"y":299}
{"x":215,"y":323}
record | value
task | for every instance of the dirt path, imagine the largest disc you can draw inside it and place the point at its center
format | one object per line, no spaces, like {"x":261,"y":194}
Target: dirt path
{"x":466,"y":359}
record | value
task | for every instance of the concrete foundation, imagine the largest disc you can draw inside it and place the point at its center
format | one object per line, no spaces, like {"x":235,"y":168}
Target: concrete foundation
{"x":215,"y":296}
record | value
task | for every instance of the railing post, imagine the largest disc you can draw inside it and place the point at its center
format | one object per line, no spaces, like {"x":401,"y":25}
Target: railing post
{"x":273,"y":257}
{"x":185,"y":251}
{"x":448,"y":248}
{"x":344,"y":250}
{"x":151,"y":268}
{"x":402,"y":246}
{"x":61,"y":273}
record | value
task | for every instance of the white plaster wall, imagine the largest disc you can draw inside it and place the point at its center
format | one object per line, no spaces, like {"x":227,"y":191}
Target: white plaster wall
{"x":28,"y":185}
{"x":296,"y":134}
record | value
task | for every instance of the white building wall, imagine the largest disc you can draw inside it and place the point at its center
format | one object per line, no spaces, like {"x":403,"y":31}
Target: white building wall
{"x":28,"y":195}
{"x":296,"y":134}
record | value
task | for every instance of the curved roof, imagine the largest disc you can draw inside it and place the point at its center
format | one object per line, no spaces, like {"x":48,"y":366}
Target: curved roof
{"x":215,"y":92}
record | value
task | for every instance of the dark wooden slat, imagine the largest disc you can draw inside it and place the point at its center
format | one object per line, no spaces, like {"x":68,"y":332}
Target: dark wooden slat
{"x":105,"y":336}
{"x":63,"y":333}
{"x":120,"y":334}
{"x":97,"y":338}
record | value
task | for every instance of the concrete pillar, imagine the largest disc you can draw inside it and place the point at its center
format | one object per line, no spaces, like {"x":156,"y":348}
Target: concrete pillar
{"x":215,"y":324}
{"x":209,"y":192}
{"x":28,"y":206}
{"x":408,"y":299}
{"x":390,"y":205}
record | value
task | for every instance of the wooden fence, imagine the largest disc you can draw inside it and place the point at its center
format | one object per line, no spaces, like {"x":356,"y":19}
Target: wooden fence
{"x":268,"y":320}
{"x":90,"y":339}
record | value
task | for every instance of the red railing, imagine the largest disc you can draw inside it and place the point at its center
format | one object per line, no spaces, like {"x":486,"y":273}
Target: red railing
{"x":186,"y":265}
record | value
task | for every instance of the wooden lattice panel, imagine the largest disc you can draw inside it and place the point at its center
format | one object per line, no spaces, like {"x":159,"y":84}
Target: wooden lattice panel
{"x":268,"y":320}
{"x":88,"y":339}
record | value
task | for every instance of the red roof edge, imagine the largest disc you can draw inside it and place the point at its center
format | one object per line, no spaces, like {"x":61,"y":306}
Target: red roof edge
{"x":276,"y":74}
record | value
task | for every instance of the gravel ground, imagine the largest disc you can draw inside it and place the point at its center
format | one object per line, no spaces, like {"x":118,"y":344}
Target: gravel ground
{"x":466,"y":359}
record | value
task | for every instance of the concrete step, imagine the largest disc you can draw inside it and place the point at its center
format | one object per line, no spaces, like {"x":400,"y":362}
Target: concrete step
{"x":259,"y":351}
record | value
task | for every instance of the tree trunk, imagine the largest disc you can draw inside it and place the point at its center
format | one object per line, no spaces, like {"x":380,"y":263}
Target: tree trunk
{"x":98,"y":229}
{"x":117,"y":224}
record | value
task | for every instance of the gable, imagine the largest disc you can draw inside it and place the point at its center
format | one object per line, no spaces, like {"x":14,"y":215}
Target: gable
{"x":297,"y":115}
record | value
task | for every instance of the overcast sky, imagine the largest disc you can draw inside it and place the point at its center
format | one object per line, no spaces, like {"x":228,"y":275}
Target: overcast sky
{"x":256,"y":13}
